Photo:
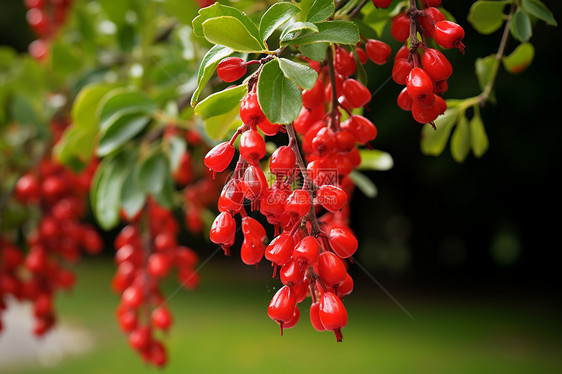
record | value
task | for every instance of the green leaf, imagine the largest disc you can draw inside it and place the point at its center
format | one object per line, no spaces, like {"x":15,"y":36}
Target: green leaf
{"x":373,"y":159}
{"x":276,"y":16}
{"x":460,"y":140}
{"x":539,"y":10}
{"x":232,"y":33}
{"x":315,"y":51}
{"x":133,"y":197}
{"x":176,"y":147}
{"x":165,"y":197}
{"x":487,"y":16}
{"x":486,"y":68}
{"x":364,"y":184}
{"x":64,"y":59}
{"x":478,"y":138}
{"x":219,"y":126}
{"x":520,"y":58}
{"x":221,"y":102}
{"x":218,"y":10}
{"x":520,"y":26}
{"x":338,"y":32}
{"x":279,"y":98}
{"x":105,"y":194}
{"x":320,"y":10}
{"x":433,"y":142}
{"x":120,"y":102}
{"x":208,"y":67}
{"x":302,"y":75}
{"x":295,"y":29}
{"x":183,"y":10}
{"x":80,"y":139}
{"x":152,"y":173}
{"x":120,"y":131}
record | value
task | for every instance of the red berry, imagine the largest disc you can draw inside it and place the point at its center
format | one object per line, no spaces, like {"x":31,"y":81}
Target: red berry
{"x":332,"y":198}
{"x":306,"y":251}
{"x":161,"y":318}
{"x":333,"y":314}
{"x":425,"y":115}
{"x":219,"y":157}
{"x":331,"y":269}
{"x":361,"y":128}
{"x":254,"y":183}
{"x":428,"y":18}
{"x":268,"y":128}
{"x":282,"y":305}
{"x":400,"y":27}
{"x":382,"y":3}
{"x":223,"y":230}
{"x":344,"y":62}
{"x":449,"y":35}
{"x":343,"y":242}
{"x":356,"y":93}
{"x":290,"y":273}
{"x":404,"y":100}
{"x":315,"y":317}
{"x":231,"y":69}
{"x":378,"y":51}
{"x":419,"y":84}
{"x":158,"y":265}
{"x":298,"y":203}
{"x":27,"y":188}
{"x":282,"y":161}
{"x":436,"y":65}
{"x":280,"y":249}
{"x":232,"y":196}
{"x":250,"y":110}
{"x":315,"y":96}
{"x":252,"y":146}
{"x":401,"y":69}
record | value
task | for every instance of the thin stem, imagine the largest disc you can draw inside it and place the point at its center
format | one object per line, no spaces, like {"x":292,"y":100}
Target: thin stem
{"x":357,"y":9}
{"x":334,"y":113}
{"x":413,"y":13}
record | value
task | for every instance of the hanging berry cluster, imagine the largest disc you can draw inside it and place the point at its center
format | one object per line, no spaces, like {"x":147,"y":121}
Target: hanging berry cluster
{"x":147,"y":250}
{"x":45,"y":17}
{"x":421,"y":69}
{"x":58,"y":239}
{"x":307,"y":201}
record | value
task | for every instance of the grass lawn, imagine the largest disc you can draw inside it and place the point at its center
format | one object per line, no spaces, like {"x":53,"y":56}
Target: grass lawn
{"x":224,"y":328}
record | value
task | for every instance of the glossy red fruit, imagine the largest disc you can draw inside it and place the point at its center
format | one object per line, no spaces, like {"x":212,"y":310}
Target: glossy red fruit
{"x":219,"y":157}
{"x":298,"y":203}
{"x":291,"y":273}
{"x":294,"y":319}
{"x":161,"y":318}
{"x":425,"y":114}
{"x":324,"y":141}
{"x":252,"y":145}
{"x":343,"y":242}
{"x":433,"y":2}
{"x":282,"y":306}
{"x":428,"y":18}
{"x":282,"y":161}
{"x":140,"y":338}
{"x":232,"y":196}
{"x":268,"y":128}
{"x":250,"y":110}
{"x":356,"y":93}
{"x":315,"y":96}
{"x":401,"y":69}
{"x":361,"y":55}
{"x":419,"y":84}
{"x":251,"y":251}
{"x":382,"y":3}
{"x":280,"y":249}
{"x":223,"y":229}
{"x":254,"y":183}
{"x":404,"y":100}
{"x":361,"y":128}
{"x":332,"y":198}
{"x":231,"y":69}
{"x":159,"y":264}
{"x":436,"y":65}
{"x":331,"y":269}
{"x":345,"y":288}
{"x":344,"y":62}
{"x":449,"y":35}
{"x":27,"y":188}
{"x":306,"y":252}
{"x":315,"y":317}
{"x":400,"y":27}
{"x":378,"y":51}
{"x":333,"y":314}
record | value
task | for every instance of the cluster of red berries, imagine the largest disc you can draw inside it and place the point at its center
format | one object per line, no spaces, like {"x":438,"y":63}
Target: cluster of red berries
{"x":45,"y":17}
{"x":147,"y":251}
{"x":423,"y":70}
{"x":59,"y":237}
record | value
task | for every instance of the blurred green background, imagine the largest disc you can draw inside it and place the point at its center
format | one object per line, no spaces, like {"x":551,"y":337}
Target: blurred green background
{"x":467,"y":251}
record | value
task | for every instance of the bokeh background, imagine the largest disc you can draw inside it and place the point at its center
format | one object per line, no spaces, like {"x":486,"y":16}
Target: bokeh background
{"x":457,"y":269}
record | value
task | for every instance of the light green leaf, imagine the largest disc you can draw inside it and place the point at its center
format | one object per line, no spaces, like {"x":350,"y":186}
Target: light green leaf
{"x":218,"y":10}
{"x":338,"y":32}
{"x":121,"y":101}
{"x":120,"y":131}
{"x":293,"y":30}
{"x":219,"y":126}
{"x":232,"y":33}
{"x":487,"y":16}
{"x":320,"y":10}
{"x":302,"y":75}
{"x":433,"y":142}
{"x":478,"y":138}
{"x":133,"y":197}
{"x":539,"y":10}
{"x":520,"y":26}
{"x":279,"y":98}
{"x":175,"y":148}
{"x":276,"y":16}
{"x":486,"y":68}
{"x":520,"y":58}
{"x":208,"y":67}
{"x":152,"y":173}
{"x":460,"y":140}
{"x":373,"y":159}
{"x":221,"y":102}
{"x":364,"y":184}
{"x":315,"y":51}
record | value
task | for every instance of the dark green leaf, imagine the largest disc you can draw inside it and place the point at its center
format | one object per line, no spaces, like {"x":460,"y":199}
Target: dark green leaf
{"x":133,"y":197}
{"x":433,"y":142}
{"x":295,"y":29}
{"x":153,"y":172}
{"x":315,"y":51}
{"x":539,"y":10}
{"x":520,"y":27}
{"x":276,"y":16}
{"x":487,"y":16}
{"x":279,"y":98}
{"x":302,"y":75}
{"x":119,"y":102}
{"x":120,"y":131}
{"x":338,"y":32}
{"x":320,"y":10}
